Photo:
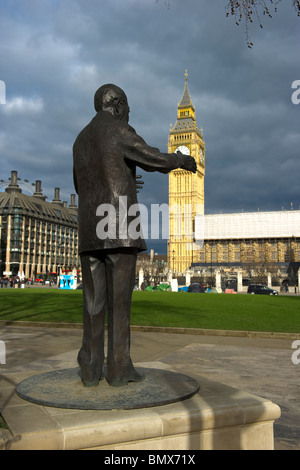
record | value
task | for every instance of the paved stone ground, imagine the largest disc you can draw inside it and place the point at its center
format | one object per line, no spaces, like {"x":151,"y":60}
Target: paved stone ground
{"x":261,"y":366}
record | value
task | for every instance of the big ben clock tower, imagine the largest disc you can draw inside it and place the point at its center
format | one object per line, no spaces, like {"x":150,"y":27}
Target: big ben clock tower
{"x":186,"y":190}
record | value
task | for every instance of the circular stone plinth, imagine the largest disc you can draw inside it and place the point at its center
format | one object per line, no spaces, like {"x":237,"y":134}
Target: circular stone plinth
{"x":64,"y":389}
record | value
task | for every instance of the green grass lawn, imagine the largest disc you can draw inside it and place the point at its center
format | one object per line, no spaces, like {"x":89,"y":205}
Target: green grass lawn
{"x":210,"y":311}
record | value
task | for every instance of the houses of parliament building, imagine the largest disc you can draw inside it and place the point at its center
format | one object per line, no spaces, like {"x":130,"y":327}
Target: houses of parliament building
{"x":220,"y":241}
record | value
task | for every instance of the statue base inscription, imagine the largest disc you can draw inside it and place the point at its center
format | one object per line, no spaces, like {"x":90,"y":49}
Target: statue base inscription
{"x":64,"y":389}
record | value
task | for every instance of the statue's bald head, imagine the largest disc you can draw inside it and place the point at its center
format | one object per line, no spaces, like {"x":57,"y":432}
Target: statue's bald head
{"x":111,"y":98}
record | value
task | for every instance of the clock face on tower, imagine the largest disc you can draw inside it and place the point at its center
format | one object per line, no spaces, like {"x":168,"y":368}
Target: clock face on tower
{"x":201,"y":155}
{"x":183,"y":149}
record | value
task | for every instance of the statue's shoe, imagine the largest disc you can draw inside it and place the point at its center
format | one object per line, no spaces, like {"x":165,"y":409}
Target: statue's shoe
{"x":133,"y":377}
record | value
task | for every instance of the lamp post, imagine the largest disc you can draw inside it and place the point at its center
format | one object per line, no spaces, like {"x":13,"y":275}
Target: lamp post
{"x":173,"y":253}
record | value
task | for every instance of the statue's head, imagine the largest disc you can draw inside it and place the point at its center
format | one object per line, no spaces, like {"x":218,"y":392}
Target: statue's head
{"x":111,"y":98}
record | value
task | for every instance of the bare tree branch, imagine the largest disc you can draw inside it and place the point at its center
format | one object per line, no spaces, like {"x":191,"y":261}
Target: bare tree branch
{"x":248,"y":10}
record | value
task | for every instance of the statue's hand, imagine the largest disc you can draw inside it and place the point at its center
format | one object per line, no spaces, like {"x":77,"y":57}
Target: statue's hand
{"x":188,"y":163}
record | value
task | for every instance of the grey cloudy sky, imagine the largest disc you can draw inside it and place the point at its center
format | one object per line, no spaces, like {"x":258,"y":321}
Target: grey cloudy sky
{"x":54,"y":54}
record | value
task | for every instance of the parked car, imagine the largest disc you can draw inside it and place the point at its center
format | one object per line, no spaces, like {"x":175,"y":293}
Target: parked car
{"x":260,"y":289}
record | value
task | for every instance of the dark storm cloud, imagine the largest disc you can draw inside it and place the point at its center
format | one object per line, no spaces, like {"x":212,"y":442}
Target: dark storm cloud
{"x":55,"y":54}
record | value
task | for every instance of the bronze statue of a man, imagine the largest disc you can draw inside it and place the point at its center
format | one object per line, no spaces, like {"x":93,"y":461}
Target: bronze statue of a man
{"x":106,"y":153}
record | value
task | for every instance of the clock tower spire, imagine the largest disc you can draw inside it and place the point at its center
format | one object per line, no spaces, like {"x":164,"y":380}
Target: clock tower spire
{"x":186,"y":190}
{"x":186,"y":99}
